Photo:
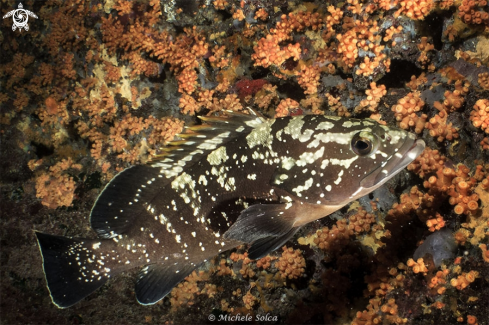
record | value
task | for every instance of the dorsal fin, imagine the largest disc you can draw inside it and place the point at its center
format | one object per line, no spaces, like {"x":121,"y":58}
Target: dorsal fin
{"x":199,"y":140}
{"x":123,"y":199}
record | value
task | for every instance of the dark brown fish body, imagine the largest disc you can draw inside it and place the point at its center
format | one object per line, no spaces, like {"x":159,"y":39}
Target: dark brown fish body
{"x":242,"y":179}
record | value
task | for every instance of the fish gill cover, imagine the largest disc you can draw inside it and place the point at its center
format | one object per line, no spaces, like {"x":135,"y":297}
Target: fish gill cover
{"x":93,"y":88}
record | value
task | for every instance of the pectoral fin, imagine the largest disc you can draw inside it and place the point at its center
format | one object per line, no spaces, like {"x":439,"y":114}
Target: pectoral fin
{"x":264,"y":246}
{"x":269,"y":226}
{"x":261,"y":220}
{"x":265,"y":220}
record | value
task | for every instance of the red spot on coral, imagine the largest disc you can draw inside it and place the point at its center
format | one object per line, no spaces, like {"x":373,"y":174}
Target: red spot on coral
{"x":51,"y":106}
{"x":296,"y":112}
{"x":246,"y":87}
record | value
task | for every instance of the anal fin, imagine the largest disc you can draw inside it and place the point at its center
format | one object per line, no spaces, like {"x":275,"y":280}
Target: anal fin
{"x":155,"y":281}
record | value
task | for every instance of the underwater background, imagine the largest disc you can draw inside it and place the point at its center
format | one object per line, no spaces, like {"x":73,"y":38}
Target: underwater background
{"x":92,"y":87}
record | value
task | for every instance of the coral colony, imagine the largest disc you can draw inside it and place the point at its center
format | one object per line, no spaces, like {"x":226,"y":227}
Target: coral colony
{"x":101,"y":101}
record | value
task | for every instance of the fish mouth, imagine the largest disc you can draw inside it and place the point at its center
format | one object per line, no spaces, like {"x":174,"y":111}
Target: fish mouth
{"x":410,"y":150}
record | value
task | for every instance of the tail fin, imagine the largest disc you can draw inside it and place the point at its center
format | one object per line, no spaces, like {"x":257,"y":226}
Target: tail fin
{"x":72,"y":268}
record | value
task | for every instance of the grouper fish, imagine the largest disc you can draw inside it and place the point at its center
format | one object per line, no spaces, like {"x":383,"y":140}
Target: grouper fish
{"x":232,"y":180}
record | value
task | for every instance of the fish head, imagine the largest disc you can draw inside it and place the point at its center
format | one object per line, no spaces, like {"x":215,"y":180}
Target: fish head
{"x":382,"y":152}
{"x":343,"y":159}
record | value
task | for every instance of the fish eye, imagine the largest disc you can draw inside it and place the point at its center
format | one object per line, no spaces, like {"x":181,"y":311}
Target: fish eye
{"x":361,"y":145}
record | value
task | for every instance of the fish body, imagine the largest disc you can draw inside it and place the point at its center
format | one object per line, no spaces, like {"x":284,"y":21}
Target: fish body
{"x":234,"y":180}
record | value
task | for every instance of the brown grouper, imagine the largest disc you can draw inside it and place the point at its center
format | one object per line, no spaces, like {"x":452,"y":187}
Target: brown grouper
{"x":233,"y":180}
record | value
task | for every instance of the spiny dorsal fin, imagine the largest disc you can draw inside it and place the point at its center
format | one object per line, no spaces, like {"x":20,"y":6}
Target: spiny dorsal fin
{"x":199,"y":140}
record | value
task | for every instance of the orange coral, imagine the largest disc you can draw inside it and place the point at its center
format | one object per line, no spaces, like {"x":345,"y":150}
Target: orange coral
{"x":424,"y":47}
{"x":220,"y":4}
{"x":334,"y":238}
{"x":415,"y":9}
{"x":57,"y":188}
{"x":438,"y":281}
{"x":246,"y":270}
{"x":308,"y":79}
{"x":185,"y":292}
{"x":439,"y":128}
{"x":418,"y":266}
{"x":268,"y":51}
{"x":445,"y":4}
{"x":390,"y":32}
{"x":485,"y":143}
{"x":161,"y":131}
{"x":453,"y":100}
{"x":261,"y":14}
{"x":239,"y":15}
{"x":485,"y":252}
{"x":390,"y":308}
{"x":223,"y":269}
{"x":16,"y":69}
{"x":219,"y":59}
{"x":464,"y":280}
{"x":55,"y":112}
{"x":380,"y":285}
{"x":266,"y":96}
{"x":474,"y":12}
{"x":124,"y":7}
{"x":230,"y":102}
{"x":334,"y":18}
{"x":249,"y":300}
{"x":335,"y":105}
{"x":366,"y":317}
{"x":427,"y":163}
{"x":386,"y":4}
{"x":471,"y":320}
{"x":291,"y":264}
{"x":265,"y":262}
{"x":405,"y":112}
{"x":374,"y":95}
{"x":112,"y":73}
{"x":188,"y":105}
{"x":416,"y":82}
{"x":285,"y":106}
{"x":480,"y":115}
{"x":314,"y":103}
{"x":483,"y":80}
{"x":361,"y":221}
{"x":435,"y":223}
{"x":457,"y":184}
{"x":362,"y":37}
{"x":462,"y":199}
{"x":414,"y":202}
